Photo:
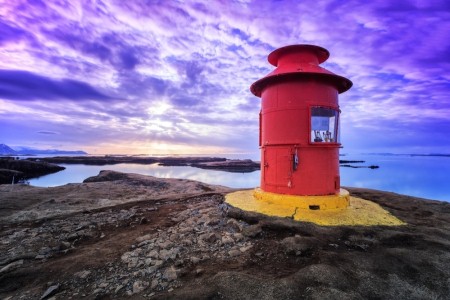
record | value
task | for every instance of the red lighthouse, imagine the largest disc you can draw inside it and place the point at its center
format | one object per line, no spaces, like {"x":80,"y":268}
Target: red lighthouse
{"x":299,"y":123}
{"x":299,"y":141}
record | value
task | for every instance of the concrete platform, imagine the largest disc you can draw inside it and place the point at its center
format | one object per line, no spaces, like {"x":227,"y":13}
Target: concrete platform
{"x":356,"y":212}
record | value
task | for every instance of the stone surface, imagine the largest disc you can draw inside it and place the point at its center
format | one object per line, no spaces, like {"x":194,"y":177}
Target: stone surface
{"x":252,"y":230}
{"x":298,"y":245}
{"x":139,"y":286}
{"x":170,"y":274}
{"x":50,"y":291}
{"x":195,"y":260}
{"x":234,"y":252}
{"x":11,"y":266}
{"x":83,"y":274}
{"x":226,"y":240}
{"x":245,"y":248}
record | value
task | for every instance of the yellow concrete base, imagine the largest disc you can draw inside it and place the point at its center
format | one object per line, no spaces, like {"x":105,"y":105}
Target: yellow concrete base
{"x":359,"y":212}
{"x":341,"y":200}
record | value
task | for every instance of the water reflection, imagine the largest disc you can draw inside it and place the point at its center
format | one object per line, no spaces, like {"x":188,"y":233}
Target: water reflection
{"x":77,"y":173}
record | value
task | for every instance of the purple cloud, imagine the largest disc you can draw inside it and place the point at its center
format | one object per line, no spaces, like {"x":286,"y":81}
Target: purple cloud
{"x":178,"y":73}
{"x":23,"y":86}
{"x":10,"y":34}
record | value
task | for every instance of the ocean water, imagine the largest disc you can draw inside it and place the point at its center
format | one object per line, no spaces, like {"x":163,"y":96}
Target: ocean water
{"x":421,"y":176}
{"x":77,"y":173}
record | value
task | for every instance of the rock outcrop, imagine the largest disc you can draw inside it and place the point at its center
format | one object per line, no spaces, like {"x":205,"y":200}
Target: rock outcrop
{"x":24,"y":169}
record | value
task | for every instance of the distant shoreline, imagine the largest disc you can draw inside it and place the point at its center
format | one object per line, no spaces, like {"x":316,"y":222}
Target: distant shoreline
{"x":407,"y":154}
{"x":202,"y":162}
{"x":214,"y":163}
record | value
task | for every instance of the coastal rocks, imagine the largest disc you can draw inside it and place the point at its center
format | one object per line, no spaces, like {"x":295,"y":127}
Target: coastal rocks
{"x":194,"y":260}
{"x":60,"y":237}
{"x":50,"y":292}
{"x":83,"y":274}
{"x":106,"y":176}
{"x":171,"y":254}
{"x":252,"y":230}
{"x":298,"y":245}
{"x":111,"y":160}
{"x":208,"y":237}
{"x":350,"y":164}
{"x":236,"y":166}
{"x":139,"y":286}
{"x":157,"y":261}
{"x":148,"y":182}
{"x":359,"y":167}
{"x":11,"y":266}
{"x":170,"y":274}
{"x":227,"y":240}
{"x":234,"y":252}
{"x":18,"y":168}
{"x":29,"y":203}
{"x":8,"y":176}
{"x":166,"y":257}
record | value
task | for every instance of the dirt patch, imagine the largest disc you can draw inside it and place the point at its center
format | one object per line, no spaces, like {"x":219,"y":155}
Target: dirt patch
{"x":163,"y":243}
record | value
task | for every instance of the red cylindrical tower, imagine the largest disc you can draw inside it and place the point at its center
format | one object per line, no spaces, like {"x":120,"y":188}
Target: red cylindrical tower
{"x":299,"y":123}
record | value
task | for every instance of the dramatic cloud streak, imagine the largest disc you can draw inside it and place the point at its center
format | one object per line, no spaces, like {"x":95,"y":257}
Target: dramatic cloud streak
{"x":172,"y":76}
{"x":21,"y":85}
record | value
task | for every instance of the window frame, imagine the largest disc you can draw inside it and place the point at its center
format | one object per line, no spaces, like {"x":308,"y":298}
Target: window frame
{"x":336,"y":126}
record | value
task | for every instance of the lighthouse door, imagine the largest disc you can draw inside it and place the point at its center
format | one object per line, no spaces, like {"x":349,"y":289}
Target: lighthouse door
{"x":277,"y":161}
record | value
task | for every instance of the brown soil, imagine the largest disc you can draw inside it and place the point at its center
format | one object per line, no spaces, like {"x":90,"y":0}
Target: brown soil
{"x":49,"y":237}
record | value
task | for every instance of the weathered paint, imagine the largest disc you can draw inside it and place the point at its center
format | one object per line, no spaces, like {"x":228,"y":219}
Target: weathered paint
{"x":360,"y":212}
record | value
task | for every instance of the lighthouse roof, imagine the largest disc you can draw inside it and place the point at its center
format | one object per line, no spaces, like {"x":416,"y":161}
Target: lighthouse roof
{"x":322,"y":54}
{"x":297,"y":62}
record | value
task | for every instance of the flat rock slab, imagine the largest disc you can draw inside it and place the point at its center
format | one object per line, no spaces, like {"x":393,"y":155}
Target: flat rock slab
{"x":107,"y":189}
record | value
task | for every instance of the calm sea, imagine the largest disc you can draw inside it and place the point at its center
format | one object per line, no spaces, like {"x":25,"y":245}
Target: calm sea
{"x":421,"y":176}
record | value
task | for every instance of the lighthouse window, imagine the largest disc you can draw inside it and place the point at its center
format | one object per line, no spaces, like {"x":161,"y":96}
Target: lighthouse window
{"x":324,"y":125}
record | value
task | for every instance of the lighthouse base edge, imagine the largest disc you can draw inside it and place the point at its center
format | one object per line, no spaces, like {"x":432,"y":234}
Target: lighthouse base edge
{"x":357,"y":212}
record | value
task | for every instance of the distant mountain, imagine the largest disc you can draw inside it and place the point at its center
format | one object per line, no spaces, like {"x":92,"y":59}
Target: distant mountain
{"x":6,"y":150}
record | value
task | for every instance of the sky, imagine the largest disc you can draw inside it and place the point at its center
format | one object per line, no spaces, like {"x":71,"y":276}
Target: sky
{"x":173,"y":77}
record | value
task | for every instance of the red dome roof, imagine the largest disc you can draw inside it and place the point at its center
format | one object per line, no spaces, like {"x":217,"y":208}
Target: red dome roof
{"x":300,"y":61}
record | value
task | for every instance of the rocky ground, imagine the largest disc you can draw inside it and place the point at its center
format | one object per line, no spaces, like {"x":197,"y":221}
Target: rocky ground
{"x":138,"y":237}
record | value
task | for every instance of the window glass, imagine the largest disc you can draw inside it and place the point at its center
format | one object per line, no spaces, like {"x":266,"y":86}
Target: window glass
{"x":324,"y":125}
